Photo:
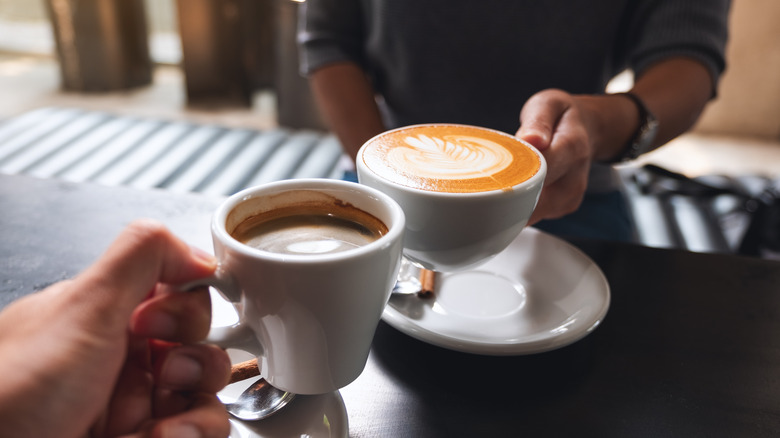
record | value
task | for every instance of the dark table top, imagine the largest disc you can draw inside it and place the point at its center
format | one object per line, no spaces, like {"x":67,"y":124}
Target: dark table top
{"x":690,"y":346}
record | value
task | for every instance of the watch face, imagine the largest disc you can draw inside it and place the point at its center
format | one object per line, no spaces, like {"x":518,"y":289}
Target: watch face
{"x":647,"y":134}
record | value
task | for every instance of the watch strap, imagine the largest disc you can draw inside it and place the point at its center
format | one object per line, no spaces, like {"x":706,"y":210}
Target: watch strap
{"x":643,"y":138}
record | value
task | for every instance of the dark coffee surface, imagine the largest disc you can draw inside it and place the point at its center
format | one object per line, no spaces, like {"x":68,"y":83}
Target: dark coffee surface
{"x":310,"y":229}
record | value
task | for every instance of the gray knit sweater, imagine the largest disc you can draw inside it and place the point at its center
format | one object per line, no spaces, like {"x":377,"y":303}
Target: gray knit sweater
{"x":478,"y":61}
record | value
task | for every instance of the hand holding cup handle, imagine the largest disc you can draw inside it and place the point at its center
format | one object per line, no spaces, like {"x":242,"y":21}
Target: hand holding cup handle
{"x":239,"y":335}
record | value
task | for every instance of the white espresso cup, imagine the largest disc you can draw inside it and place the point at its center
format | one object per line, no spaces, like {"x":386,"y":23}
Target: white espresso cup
{"x":467,"y":191}
{"x":307,"y":308}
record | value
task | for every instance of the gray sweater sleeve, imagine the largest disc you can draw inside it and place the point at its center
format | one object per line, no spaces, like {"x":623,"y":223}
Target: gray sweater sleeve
{"x":473,"y":62}
{"x":693,"y":28}
{"x":329,"y":31}
{"x":335,"y":30}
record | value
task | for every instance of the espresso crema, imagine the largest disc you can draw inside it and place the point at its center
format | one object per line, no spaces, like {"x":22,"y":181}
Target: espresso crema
{"x":450,"y":158}
{"x":310,"y":229}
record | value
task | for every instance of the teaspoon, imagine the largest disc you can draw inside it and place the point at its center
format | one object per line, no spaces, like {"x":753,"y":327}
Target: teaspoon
{"x":259,"y":401}
{"x":413,"y":279}
{"x":408,"y":281}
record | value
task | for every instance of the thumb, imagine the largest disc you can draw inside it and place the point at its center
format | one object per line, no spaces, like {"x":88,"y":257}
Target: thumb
{"x":540,"y":116}
{"x":144,"y":254}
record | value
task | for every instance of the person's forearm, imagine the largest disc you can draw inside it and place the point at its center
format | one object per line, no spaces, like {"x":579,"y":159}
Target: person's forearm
{"x":675,"y":90}
{"x":346,"y":101}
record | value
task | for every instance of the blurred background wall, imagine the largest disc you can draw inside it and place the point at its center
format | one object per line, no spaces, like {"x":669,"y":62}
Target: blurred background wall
{"x":748,"y":104}
{"x":228,"y":50}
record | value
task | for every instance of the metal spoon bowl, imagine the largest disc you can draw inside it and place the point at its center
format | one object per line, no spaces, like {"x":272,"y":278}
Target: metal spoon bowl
{"x":260,"y":400}
{"x":408,"y":281}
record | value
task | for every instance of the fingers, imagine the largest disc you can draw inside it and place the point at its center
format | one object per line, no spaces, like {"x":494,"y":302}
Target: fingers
{"x":559,"y":198}
{"x":569,"y":151}
{"x":163,"y":380}
{"x":144,"y":254}
{"x":540,"y":116}
{"x":205,"y":418}
{"x":199,"y":368}
{"x":176,"y":317}
{"x":568,"y":164}
{"x":552,"y":121}
{"x":185,"y":371}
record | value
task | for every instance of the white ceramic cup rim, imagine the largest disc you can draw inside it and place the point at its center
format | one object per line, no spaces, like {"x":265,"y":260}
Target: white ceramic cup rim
{"x":394,"y":228}
{"x":536,"y":178}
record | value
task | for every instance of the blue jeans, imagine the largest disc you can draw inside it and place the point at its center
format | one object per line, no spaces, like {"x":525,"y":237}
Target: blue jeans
{"x":603,"y":216}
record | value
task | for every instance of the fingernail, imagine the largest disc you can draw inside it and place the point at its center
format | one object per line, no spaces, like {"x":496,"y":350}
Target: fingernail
{"x":181,"y":430}
{"x":537,"y":139}
{"x":161,"y":325}
{"x":203,"y":256}
{"x":181,"y":370}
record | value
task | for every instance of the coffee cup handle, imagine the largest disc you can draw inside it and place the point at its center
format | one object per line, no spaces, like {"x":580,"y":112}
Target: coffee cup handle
{"x":239,"y":335}
{"x":220,"y":280}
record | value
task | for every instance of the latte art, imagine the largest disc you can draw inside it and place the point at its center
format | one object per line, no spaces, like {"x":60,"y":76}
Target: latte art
{"x":450,"y":158}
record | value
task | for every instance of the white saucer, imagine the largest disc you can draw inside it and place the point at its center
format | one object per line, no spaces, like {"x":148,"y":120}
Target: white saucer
{"x":539,"y":294}
{"x":315,"y":416}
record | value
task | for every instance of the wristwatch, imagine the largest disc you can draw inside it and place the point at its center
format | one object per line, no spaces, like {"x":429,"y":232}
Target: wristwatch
{"x":645,"y":134}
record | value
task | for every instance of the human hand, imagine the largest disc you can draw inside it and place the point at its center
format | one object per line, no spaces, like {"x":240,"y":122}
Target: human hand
{"x":112,"y":352}
{"x":556,"y":123}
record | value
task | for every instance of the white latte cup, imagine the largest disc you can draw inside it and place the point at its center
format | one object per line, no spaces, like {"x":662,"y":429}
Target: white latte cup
{"x":467,"y":191}
{"x":310,"y":317}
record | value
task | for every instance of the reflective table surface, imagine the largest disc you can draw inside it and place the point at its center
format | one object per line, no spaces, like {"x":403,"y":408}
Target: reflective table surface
{"x":690,"y":345}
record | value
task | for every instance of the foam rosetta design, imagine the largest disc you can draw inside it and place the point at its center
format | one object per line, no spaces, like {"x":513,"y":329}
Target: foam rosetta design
{"x":450,"y":157}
